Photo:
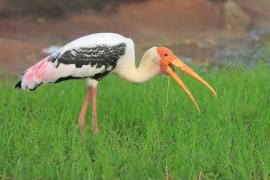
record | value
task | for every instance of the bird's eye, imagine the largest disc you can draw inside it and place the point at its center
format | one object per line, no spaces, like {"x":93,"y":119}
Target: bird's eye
{"x":165,"y":54}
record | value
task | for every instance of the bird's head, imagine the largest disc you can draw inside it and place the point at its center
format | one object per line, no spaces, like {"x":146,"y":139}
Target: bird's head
{"x":167,"y":60}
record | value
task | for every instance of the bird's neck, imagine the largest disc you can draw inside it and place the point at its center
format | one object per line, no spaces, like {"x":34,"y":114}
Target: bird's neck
{"x":140,"y":74}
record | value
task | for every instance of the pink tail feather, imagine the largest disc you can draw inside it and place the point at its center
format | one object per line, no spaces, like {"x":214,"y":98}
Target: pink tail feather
{"x":35,"y":75}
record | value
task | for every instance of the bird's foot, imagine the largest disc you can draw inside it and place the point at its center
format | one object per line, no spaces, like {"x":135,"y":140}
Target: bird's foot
{"x":82,"y":133}
{"x":95,"y":130}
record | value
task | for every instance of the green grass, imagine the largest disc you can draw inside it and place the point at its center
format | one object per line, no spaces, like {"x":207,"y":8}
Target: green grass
{"x":147,"y":131}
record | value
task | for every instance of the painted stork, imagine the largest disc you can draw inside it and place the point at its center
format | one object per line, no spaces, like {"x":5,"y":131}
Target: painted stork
{"x":95,"y":56}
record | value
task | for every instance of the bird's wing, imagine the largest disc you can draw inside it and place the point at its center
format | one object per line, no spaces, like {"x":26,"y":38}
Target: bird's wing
{"x":100,"y":55}
{"x":82,"y":62}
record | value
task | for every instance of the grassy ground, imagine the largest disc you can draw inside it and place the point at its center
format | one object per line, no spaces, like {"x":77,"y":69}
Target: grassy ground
{"x":147,"y":131}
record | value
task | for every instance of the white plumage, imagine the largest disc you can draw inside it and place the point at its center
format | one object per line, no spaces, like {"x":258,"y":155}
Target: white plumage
{"x":93,"y":40}
{"x":55,"y":70}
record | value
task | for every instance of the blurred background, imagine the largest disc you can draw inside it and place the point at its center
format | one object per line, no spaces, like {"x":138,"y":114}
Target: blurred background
{"x":202,"y":32}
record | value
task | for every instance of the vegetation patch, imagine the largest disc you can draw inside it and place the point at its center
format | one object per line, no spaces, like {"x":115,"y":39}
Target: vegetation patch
{"x":148,"y":131}
{"x":60,"y":7}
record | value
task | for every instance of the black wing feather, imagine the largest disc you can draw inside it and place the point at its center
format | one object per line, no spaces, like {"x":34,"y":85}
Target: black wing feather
{"x":101,"y":55}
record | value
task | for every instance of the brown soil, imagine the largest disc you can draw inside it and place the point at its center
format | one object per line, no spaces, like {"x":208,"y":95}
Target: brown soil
{"x":151,"y":23}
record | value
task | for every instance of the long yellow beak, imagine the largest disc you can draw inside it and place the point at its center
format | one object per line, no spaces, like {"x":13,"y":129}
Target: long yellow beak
{"x":183,"y":67}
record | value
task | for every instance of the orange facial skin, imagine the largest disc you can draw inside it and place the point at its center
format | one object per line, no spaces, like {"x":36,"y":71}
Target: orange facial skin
{"x":167,"y":58}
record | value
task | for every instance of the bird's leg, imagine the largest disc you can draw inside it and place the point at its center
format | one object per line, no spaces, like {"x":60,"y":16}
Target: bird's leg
{"x":94,"y":111}
{"x":83,"y":111}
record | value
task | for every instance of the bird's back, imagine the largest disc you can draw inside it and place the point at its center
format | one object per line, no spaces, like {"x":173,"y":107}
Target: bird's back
{"x":92,"y":56}
{"x":93,"y":40}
